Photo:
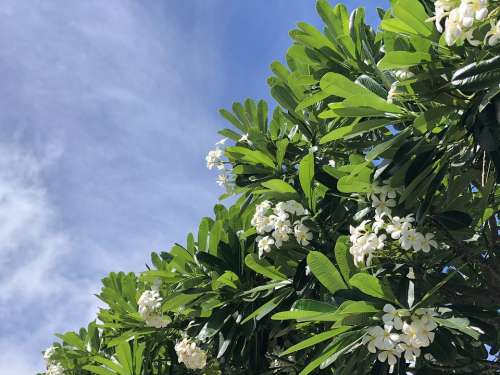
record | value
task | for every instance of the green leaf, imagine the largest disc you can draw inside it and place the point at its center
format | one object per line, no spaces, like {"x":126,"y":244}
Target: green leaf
{"x":251,"y":156}
{"x":316,"y":339}
{"x":279,"y":186}
{"x":325,"y":272}
{"x":342,"y":344}
{"x":397,"y":26}
{"x":372,"y":286}
{"x":306,"y":310}
{"x":402,"y":60}
{"x":216,"y":234}
{"x":281,"y":147}
{"x":344,"y":258}
{"x":228,"y":278}
{"x":71,"y":338}
{"x":339,"y":85}
{"x":266,"y":308}
{"x":124,"y":355}
{"x":263,"y":267}
{"x":312,"y":99}
{"x":354,"y":130}
{"x":459,"y":324}
{"x":306,"y":175}
{"x":413,"y":14}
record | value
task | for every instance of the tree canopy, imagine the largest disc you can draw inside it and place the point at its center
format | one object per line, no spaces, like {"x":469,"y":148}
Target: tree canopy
{"x":364,"y":234}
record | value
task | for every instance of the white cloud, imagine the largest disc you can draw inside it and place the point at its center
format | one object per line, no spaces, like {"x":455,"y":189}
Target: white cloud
{"x":38,"y":294}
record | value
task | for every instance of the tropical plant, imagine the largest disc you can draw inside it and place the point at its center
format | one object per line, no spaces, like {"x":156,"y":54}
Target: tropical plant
{"x":364,"y":234}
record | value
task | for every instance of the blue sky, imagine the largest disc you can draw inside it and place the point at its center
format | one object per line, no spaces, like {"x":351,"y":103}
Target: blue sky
{"x":108,"y":110}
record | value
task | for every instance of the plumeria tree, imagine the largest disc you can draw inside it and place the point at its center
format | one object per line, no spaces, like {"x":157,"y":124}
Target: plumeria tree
{"x":364,"y":235}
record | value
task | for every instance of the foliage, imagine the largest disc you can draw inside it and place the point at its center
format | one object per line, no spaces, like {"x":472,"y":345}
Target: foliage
{"x":363,"y":238}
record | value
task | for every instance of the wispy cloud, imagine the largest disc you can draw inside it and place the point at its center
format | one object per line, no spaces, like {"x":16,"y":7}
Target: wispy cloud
{"x":101,"y":158}
{"x":37,"y":293}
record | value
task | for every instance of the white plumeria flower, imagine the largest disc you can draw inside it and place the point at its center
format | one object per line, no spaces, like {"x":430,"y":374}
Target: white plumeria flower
{"x":411,"y":239}
{"x":399,"y":225}
{"x":189,"y":354}
{"x":48,"y":353}
{"x":332,"y":163}
{"x":222,"y":180}
{"x":428,"y":242}
{"x":382,"y":204}
{"x":302,"y":234}
{"x":281,"y":236}
{"x":411,"y":352}
{"x":390,"y":355}
{"x":471,"y":10}
{"x":214,"y":159}
{"x":426,"y":317}
{"x":442,"y":8}
{"x":454,"y":29}
{"x":392,"y":316}
{"x":416,"y":334}
{"x":380,"y":338}
{"x":358,"y":231}
{"x":264,"y":245}
{"x":55,"y":369}
{"x":493,"y":36}
{"x":149,"y":304}
{"x":392,"y":93}
{"x":378,"y":223}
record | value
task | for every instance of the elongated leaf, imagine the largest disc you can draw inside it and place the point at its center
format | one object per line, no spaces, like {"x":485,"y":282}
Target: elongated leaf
{"x":354,"y":130}
{"x":344,"y":258}
{"x":402,"y":59}
{"x":263,"y":267}
{"x":251,"y":156}
{"x":266,"y":308}
{"x":316,"y":339}
{"x":279,"y":186}
{"x":339,"y":85}
{"x":306,"y":175}
{"x":342,"y":344}
{"x":372,"y":286}
{"x":325,"y":272}
{"x":459,"y":324}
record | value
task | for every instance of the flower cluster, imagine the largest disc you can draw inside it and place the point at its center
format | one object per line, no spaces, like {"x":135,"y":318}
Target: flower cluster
{"x":190,"y":354}
{"x":385,"y":229}
{"x":403,"y":333}
{"x":280,"y":222}
{"x":462,"y":17}
{"x":53,"y":368}
{"x":215,"y":160}
{"x":149,"y":308}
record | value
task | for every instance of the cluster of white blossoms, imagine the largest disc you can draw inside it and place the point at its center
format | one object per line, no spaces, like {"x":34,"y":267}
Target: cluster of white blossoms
{"x":277,"y":224}
{"x":385,"y":229}
{"x":215,"y":160}
{"x":53,"y":368}
{"x":461,"y":18}
{"x":403,"y":333}
{"x":150,"y":309}
{"x":190,"y":354}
